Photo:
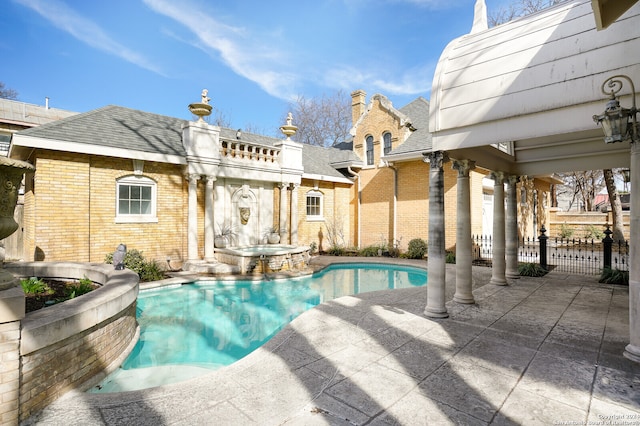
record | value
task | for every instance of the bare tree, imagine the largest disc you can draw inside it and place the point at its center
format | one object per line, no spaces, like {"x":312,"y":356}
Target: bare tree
{"x":582,"y":187}
{"x":616,"y":205}
{"x":323,"y":121}
{"x":518,"y":8}
{"x":7,"y":93}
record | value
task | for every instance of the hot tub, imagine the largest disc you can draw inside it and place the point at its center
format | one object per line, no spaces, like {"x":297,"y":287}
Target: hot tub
{"x":265,"y":258}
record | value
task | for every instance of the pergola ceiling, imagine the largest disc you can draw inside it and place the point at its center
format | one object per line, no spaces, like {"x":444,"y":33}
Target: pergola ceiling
{"x":536,"y":83}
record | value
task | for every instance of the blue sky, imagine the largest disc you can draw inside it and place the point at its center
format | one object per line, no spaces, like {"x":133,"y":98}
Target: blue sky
{"x":254,"y":56}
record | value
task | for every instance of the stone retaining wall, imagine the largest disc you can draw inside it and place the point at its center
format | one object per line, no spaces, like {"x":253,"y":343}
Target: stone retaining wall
{"x":68,"y":345}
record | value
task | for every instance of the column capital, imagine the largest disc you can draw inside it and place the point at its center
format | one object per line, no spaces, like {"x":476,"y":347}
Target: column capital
{"x":463,"y":167}
{"x":436,"y":159}
{"x":513,"y":179}
{"x":192,"y":177}
{"x":498,"y":177}
{"x":210,"y":178}
{"x":283,"y":185}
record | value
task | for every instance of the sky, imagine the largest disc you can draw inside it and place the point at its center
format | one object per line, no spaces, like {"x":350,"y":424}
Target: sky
{"x":255,"y":57}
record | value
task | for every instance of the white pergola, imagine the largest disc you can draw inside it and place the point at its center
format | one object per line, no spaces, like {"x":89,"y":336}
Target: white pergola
{"x":531,"y":87}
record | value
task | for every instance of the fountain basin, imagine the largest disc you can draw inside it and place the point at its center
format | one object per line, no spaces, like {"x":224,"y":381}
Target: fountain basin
{"x":262,"y":259}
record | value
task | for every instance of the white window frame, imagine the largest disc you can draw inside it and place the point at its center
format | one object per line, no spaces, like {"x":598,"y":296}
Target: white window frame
{"x":141,"y":181}
{"x":316,"y":194}
{"x":386,"y":137}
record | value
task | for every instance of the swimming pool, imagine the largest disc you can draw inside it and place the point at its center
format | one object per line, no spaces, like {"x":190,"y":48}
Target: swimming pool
{"x":188,"y":330}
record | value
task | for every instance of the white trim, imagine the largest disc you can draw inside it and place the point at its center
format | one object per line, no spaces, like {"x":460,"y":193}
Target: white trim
{"x":313,"y":176}
{"x":316,"y":194}
{"x":136,"y":180}
{"x":81,"y":148}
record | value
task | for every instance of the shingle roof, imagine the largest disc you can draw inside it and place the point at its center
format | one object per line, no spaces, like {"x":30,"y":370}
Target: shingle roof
{"x":119,"y":127}
{"x":420,"y":140}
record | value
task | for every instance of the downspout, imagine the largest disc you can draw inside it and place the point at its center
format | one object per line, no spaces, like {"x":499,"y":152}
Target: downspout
{"x":357,"y":178}
{"x":395,"y":202}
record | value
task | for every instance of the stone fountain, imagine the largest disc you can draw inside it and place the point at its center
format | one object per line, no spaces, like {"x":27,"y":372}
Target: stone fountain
{"x":11,"y":172}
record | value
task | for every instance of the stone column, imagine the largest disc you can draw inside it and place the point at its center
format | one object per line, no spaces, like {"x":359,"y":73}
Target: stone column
{"x":511,"y":230}
{"x":498,"y":240}
{"x":209,"y":224}
{"x":192,"y":220}
{"x":283,"y":213}
{"x":632,"y":351}
{"x":436,"y":262}
{"x":294,"y":214}
{"x":464,"y":281}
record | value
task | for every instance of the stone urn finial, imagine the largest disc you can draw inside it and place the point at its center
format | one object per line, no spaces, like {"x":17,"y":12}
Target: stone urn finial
{"x":289,"y":129}
{"x":11,"y":172}
{"x":202,"y":108}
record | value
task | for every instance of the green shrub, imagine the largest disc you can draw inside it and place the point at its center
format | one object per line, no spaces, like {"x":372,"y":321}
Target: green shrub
{"x":417,"y":248}
{"x":531,"y":270}
{"x":614,"y":276}
{"x":594,"y":232}
{"x":336,"y":251}
{"x":134,"y":260}
{"x":34,"y":285}
{"x":371,"y":251}
{"x":566,"y":231}
{"x":84,"y":286}
{"x":450,"y":257}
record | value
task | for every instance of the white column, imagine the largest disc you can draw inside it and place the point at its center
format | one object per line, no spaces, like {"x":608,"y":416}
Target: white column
{"x":294,"y":214}
{"x":632,"y":351}
{"x":209,"y":230}
{"x":498,"y":240}
{"x":283,"y":213}
{"x":511,"y":230}
{"x":436,"y":263}
{"x":464,"y":281}
{"x":192,"y":220}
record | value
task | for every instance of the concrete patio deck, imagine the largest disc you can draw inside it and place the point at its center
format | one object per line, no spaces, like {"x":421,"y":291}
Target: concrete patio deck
{"x":538,"y":351}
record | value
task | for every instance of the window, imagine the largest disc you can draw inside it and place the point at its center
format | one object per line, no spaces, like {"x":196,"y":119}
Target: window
{"x":136,"y":200}
{"x":314,"y":205}
{"x":369,"y":141}
{"x":387,"y":142}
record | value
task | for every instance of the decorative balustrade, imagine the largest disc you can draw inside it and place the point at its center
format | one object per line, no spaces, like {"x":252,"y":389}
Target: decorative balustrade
{"x":248,"y":151}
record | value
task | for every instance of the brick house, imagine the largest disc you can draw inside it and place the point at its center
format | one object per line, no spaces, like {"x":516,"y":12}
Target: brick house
{"x":116,"y":175}
{"x":393,"y":185}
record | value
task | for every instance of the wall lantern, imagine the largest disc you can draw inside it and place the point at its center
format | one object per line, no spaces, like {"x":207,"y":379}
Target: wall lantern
{"x":626,"y":174}
{"x":619,"y":124}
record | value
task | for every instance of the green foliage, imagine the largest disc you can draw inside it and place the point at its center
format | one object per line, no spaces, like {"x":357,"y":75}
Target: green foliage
{"x":313,"y":247}
{"x":134,"y":260}
{"x":372,"y":251}
{"x":34,"y":285}
{"x":84,"y":286}
{"x":336,"y":250}
{"x":531,"y":270}
{"x":417,"y":248}
{"x":450,"y":257}
{"x":594,"y":232}
{"x":614,"y":276}
{"x":566,"y":231}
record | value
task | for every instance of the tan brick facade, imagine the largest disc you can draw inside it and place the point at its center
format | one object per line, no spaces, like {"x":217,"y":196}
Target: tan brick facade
{"x":70,"y":210}
{"x":377,"y":183}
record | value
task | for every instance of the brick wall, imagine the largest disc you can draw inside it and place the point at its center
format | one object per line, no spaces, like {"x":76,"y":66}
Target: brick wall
{"x":54,"y":370}
{"x":71,"y":210}
{"x":9,"y":372}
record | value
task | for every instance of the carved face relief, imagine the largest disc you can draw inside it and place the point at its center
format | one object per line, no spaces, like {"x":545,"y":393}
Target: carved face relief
{"x":245,"y":212}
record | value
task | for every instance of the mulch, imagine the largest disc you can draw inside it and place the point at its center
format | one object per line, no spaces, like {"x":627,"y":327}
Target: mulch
{"x":58,"y":294}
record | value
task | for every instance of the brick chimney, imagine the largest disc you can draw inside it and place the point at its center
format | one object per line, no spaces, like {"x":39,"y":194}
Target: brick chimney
{"x":358,"y":105}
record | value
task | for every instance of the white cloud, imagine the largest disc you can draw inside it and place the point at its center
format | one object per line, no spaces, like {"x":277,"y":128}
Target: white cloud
{"x":245,"y":53}
{"x":85,"y":30}
{"x":410,"y":82}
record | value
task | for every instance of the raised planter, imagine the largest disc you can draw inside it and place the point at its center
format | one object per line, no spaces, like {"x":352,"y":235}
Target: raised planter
{"x":74,"y":344}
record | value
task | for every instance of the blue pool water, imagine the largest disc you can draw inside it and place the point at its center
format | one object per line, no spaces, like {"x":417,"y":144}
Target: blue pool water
{"x":210,"y":324}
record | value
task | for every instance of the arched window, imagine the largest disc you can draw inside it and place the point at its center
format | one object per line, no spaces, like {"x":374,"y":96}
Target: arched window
{"x":314,"y":205}
{"x":386,"y":137}
{"x":135,"y":199}
{"x":369,"y":143}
